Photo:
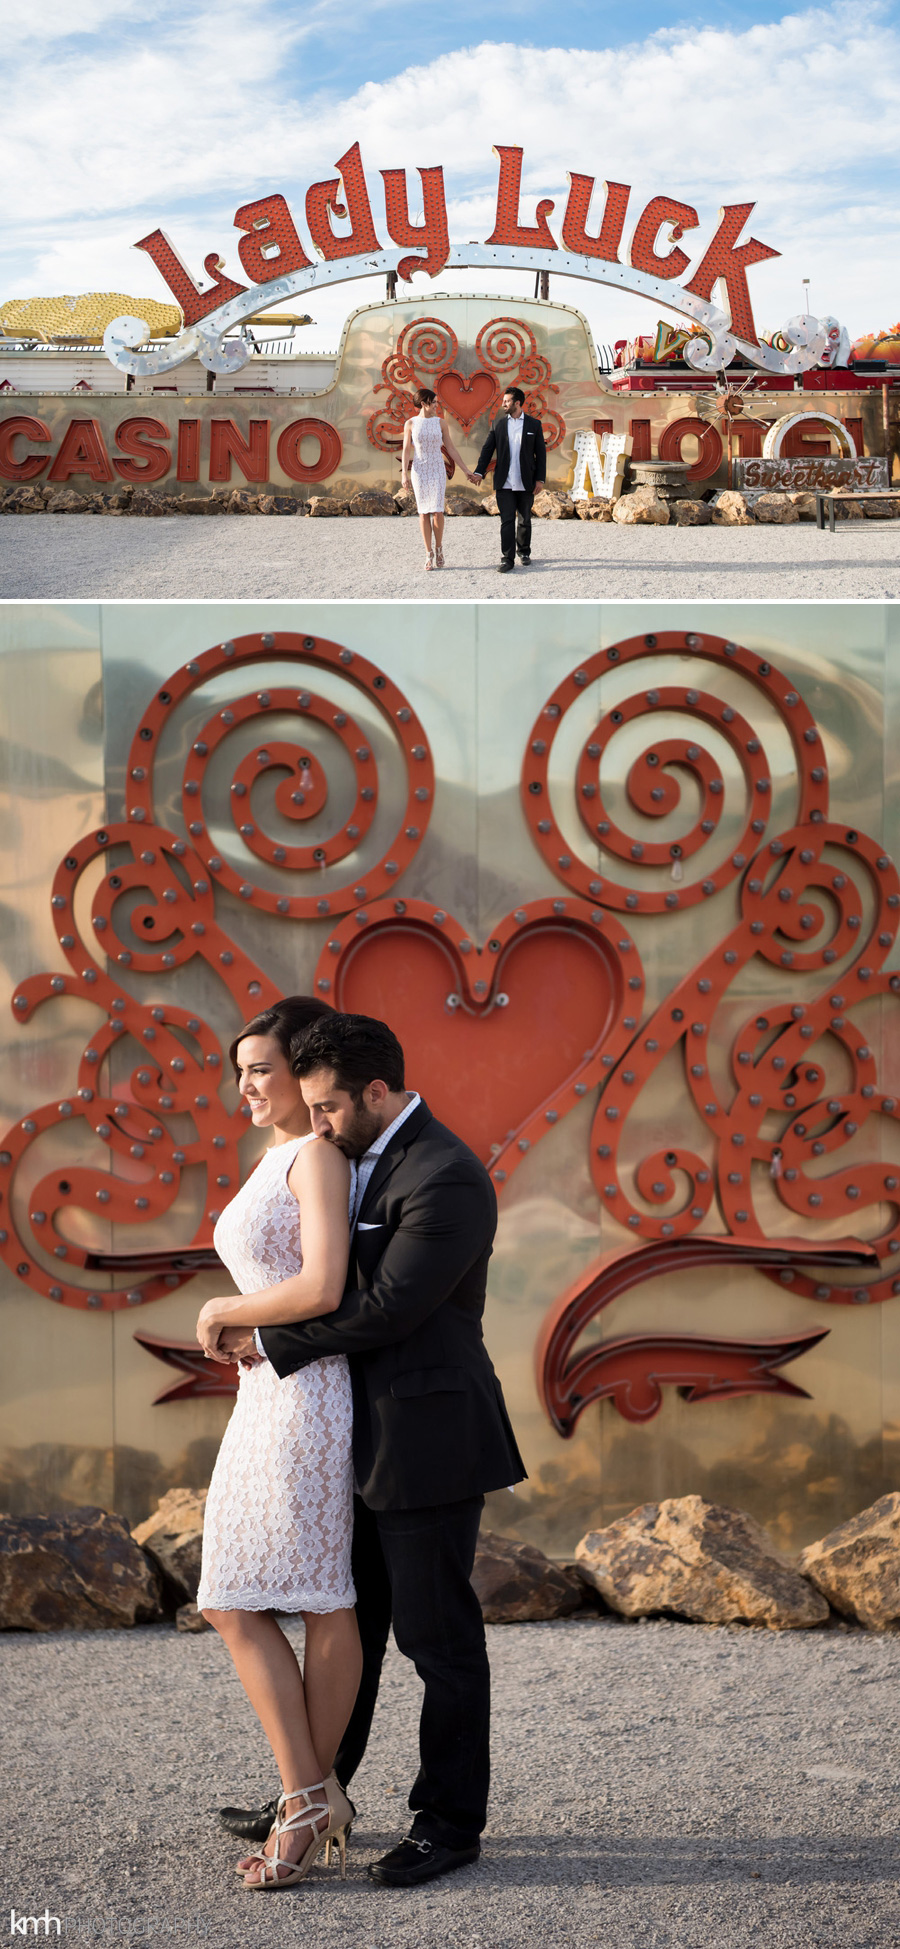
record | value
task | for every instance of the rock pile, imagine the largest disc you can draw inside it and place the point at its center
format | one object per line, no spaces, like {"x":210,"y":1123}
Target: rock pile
{"x":683,"y":1557}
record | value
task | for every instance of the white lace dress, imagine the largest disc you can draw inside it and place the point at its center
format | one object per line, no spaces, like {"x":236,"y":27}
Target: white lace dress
{"x":428,"y":474}
{"x":279,"y":1513}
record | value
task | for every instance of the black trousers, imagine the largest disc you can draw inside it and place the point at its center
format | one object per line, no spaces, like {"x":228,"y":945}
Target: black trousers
{"x":412,"y":1568}
{"x":515,"y":521}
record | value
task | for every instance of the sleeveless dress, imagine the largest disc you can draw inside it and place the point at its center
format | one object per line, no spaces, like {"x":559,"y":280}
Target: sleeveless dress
{"x":428,"y":474}
{"x":279,"y":1513}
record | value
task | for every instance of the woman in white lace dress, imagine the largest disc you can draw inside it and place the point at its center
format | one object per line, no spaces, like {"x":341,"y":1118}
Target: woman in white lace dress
{"x":423,"y":462}
{"x":279,"y":1519}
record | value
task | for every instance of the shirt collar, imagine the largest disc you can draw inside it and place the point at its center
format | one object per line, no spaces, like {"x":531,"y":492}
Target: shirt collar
{"x":382,"y":1141}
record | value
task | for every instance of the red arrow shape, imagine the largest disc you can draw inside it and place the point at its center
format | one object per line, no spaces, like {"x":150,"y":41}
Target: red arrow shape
{"x":203,"y":1377}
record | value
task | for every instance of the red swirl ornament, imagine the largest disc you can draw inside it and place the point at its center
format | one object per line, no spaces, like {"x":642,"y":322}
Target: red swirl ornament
{"x":286,"y":646}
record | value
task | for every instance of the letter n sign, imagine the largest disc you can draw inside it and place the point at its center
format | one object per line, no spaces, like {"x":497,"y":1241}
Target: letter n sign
{"x":603,"y":466}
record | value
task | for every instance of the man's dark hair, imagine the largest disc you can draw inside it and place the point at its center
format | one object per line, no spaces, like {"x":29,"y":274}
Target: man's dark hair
{"x":358,"y":1048}
{"x":514,"y":392}
{"x":285,"y":1020}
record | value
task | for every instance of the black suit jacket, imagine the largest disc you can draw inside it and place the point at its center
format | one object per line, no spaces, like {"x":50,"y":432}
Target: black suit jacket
{"x":533,"y":460}
{"x":429,"y":1420}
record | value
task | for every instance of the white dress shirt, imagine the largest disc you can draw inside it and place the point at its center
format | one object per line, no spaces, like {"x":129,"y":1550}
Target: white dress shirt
{"x":514,"y":430}
{"x":364,"y":1167}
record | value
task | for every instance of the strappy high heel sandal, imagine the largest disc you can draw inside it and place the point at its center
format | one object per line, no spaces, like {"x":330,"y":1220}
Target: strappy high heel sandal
{"x":438,"y":558}
{"x":428,"y":561}
{"x":277,"y":1873}
{"x":342,"y":1814}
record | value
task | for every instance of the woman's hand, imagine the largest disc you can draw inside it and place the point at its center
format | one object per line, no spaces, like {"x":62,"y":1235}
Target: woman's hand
{"x":216,"y":1314}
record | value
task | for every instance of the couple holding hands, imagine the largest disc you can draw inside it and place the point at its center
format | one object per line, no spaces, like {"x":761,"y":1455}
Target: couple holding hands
{"x":368,"y":1427}
{"x":515,"y":444}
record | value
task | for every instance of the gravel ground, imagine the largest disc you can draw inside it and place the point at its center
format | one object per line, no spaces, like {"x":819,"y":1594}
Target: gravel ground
{"x":155,"y":556}
{"x":663,"y":1784}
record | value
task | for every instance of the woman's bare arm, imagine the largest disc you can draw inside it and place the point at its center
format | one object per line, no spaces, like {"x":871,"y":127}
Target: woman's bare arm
{"x":447,"y":444}
{"x":320,"y":1181}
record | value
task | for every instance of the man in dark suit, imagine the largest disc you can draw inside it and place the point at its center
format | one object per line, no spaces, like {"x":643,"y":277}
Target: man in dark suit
{"x":517,"y":441}
{"x":431,"y":1434}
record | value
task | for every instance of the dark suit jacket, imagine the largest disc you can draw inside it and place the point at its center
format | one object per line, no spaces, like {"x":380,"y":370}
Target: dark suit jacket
{"x":429,"y":1420}
{"x":533,"y":460}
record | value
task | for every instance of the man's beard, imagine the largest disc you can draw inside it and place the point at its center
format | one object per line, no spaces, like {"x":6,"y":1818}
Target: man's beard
{"x":363,"y":1130}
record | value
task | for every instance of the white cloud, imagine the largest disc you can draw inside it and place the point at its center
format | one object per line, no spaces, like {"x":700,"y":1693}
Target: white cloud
{"x":176,"y":125}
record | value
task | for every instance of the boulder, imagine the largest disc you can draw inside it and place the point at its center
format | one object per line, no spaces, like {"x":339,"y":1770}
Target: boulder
{"x":489,"y":505}
{"x":404,"y":503}
{"x":643,"y":506}
{"x":201,"y":504}
{"x":776,"y":508}
{"x":22,"y":498}
{"x":279,"y":504}
{"x":173,"y":1538}
{"x":732,"y":510}
{"x":700,"y":1561}
{"x":880,"y":510}
{"x":857,"y":1565}
{"x":64,"y":500}
{"x":321,"y":505}
{"x":691,"y":514}
{"x":849,"y":511}
{"x":80,"y":1572}
{"x":373,"y":500}
{"x":188,"y":1618}
{"x":239,"y":502}
{"x":516,"y":1584}
{"x":804,"y":501}
{"x":594,"y":510}
{"x":462,"y":504}
{"x":143,"y":502}
{"x":550,"y":505}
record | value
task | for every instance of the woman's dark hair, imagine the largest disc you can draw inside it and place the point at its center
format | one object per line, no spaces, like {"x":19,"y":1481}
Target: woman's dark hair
{"x":423,"y":396}
{"x":357,"y":1047}
{"x":514,"y":392}
{"x":284,"y":1020}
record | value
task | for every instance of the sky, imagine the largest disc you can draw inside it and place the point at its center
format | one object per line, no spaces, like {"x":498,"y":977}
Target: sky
{"x":124,"y":115}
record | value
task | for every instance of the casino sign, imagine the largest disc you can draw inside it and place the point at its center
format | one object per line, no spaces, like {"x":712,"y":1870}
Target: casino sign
{"x":335,"y":425}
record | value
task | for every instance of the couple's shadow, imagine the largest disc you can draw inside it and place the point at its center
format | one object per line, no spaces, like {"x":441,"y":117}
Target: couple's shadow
{"x":570,"y":1860}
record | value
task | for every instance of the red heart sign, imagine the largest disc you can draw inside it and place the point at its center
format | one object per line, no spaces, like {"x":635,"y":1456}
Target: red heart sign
{"x":467,"y":399}
{"x":501,"y":1040}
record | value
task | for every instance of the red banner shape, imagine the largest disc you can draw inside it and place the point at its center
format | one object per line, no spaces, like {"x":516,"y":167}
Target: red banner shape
{"x":631,"y":1370}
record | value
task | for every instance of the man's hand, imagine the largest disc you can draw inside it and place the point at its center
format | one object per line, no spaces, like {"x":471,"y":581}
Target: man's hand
{"x":476,"y":479}
{"x":538,"y":487}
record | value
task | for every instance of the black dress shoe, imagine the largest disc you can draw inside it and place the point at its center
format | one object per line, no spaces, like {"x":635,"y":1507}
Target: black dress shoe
{"x":255,"y":1823}
{"x":525,"y":560}
{"x":414,"y":1861}
{"x":250,"y":1823}
{"x":503,"y":568}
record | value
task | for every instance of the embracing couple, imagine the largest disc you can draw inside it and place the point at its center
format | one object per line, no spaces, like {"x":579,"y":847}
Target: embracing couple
{"x":368,"y":1427}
